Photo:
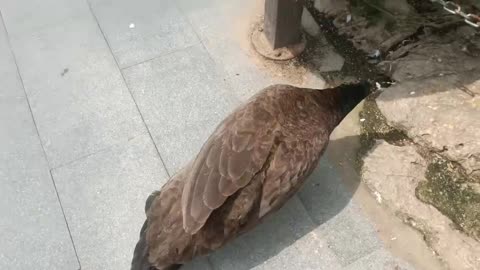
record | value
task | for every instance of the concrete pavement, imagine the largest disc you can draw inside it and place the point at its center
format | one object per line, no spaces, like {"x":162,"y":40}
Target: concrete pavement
{"x":102,"y":101}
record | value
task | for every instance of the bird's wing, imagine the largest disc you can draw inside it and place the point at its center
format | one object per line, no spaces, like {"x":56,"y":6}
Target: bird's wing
{"x":227,"y":162}
{"x":293,"y":161}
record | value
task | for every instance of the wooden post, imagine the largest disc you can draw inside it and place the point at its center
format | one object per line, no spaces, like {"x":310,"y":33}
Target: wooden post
{"x":283,"y":22}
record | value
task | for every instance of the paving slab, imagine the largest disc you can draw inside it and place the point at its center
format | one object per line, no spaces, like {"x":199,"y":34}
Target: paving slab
{"x":141,"y":30}
{"x":9,"y":77}
{"x":78,"y":98}
{"x":103,"y":197}
{"x":27,"y":16}
{"x":33,"y":230}
{"x":286,"y":240}
{"x":347,"y":231}
{"x":350,"y":235}
{"x":182,"y":99}
{"x":201,"y":263}
{"x":225,"y":28}
{"x":323,"y":195}
{"x":379,"y":260}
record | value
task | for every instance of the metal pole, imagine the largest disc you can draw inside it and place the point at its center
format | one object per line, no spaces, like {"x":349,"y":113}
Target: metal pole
{"x":283,"y":22}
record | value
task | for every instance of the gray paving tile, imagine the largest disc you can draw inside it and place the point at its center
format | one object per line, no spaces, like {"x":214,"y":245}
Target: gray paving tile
{"x":33,"y":230}
{"x":379,"y":260}
{"x":197,"y":264}
{"x":79,"y":100}
{"x":309,"y":253}
{"x":9,"y":78}
{"x":224,"y":27}
{"x":27,"y":16}
{"x":323,"y":195}
{"x":286,"y":240}
{"x":103,"y":197}
{"x":244,"y":76}
{"x":182,"y":99}
{"x":221,"y":26}
{"x":157,"y":28}
{"x":351,"y":236}
{"x":343,"y":226}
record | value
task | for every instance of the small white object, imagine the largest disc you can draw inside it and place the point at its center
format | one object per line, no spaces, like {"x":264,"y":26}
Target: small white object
{"x":393,"y":238}
{"x":349,"y":18}
{"x":131,"y":26}
{"x":378,"y":197}
{"x":412,"y":93}
{"x":378,"y":85}
{"x":362,"y":119}
{"x":375,"y":54}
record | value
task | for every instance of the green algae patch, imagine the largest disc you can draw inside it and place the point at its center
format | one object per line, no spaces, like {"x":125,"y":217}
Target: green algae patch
{"x":449,"y":190}
{"x":374,"y":127}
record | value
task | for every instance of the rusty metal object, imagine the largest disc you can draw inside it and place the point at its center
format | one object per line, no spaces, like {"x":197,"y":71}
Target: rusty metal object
{"x":454,"y":8}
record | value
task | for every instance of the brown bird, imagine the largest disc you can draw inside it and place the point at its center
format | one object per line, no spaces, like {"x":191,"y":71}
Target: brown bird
{"x":254,"y":161}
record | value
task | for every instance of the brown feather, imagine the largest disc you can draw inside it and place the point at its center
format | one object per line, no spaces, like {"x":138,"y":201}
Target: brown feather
{"x":255,"y":160}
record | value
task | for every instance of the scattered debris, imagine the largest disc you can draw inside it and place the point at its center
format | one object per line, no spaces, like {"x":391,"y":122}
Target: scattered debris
{"x":375,"y":54}
{"x":65,"y":71}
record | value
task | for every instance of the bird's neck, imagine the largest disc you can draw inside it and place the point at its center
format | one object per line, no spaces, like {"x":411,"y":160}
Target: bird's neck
{"x":327,"y":100}
{"x":339,"y":101}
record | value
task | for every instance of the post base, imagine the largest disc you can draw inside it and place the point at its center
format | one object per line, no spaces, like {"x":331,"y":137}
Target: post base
{"x":264,"y":48}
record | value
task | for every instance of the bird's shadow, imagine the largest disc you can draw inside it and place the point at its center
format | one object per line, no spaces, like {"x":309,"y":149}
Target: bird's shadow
{"x":324,"y":196}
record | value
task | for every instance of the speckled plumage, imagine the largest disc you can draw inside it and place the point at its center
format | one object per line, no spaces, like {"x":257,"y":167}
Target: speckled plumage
{"x":254,"y":161}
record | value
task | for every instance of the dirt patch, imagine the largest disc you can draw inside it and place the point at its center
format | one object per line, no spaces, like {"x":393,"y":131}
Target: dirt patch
{"x":394,"y":174}
{"x":447,"y":187}
{"x":321,"y":50}
{"x":356,"y":65}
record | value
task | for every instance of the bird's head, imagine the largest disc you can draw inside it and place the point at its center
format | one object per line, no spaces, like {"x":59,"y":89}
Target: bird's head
{"x":350,"y":95}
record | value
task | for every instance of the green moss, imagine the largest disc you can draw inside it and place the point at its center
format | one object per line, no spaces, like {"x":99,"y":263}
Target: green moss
{"x":446,"y":187}
{"x":448,"y":190}
{"x":374,"y":127}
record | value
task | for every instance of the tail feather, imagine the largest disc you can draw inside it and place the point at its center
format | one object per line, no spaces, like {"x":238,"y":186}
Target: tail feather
{"x":140,"y":253}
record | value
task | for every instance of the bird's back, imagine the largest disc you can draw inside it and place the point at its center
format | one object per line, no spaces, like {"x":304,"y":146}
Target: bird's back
{"x":255,"y":160}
